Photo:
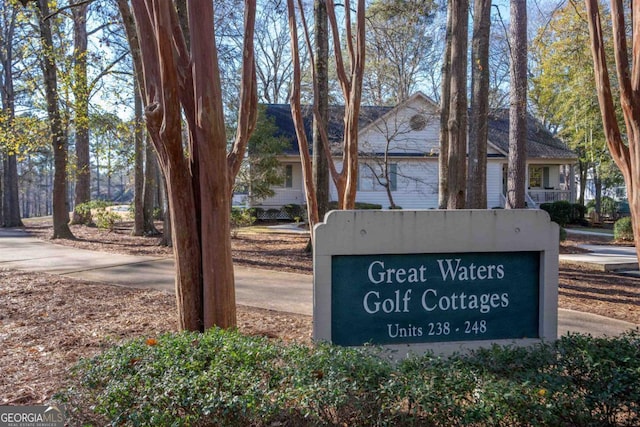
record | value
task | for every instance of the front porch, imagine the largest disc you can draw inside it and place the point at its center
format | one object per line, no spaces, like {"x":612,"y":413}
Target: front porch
{"x":548,"y":196}
{"x":546,"y":183}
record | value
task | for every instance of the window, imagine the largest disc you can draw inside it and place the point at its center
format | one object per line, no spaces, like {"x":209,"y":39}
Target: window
{"x":366,"y":178}
{"x":538,"y":177}
{"x":535,"y":177}
{"x":288,"y":176}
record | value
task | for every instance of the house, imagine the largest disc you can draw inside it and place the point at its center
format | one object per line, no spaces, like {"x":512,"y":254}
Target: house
{"x":404,"y":142}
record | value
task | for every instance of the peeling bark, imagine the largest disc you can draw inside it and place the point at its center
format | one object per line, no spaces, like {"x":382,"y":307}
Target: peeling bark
{"x":178,"y":81}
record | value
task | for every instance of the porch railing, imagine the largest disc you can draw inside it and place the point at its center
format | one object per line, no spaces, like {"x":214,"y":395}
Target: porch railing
{"x":535,"y":198}
{"x":549,"y":196}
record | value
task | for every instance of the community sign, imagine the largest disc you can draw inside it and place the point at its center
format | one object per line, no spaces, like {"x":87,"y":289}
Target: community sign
{"x":441,"y":280}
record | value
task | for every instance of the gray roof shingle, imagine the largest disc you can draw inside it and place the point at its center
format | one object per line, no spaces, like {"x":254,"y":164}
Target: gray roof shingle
{"x":541,"y":144}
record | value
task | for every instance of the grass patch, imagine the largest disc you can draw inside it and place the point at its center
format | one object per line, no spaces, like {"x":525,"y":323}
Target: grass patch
{"x":225,"y":378}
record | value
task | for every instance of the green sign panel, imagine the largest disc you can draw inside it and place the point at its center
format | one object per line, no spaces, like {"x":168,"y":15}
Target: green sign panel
{"x":422,"y":298}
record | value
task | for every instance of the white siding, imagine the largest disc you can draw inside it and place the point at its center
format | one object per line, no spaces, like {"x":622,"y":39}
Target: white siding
{"x":494,"y":184}
{"x":284,"y":196}
{"x":395,"y":129}
{"x":414,"y":151}
{"x":417,"y":186}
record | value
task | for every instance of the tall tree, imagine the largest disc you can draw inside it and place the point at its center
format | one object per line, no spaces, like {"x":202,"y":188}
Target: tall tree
{"x":350,"y":79}
{"x":398,"y":49}
{"x":626,"y":156}
{"x":457,"y":123}
{"x":59,"y":140}
{"x":320,"y":166}
{"x":273,"y":56}
{"x":262,"y":169}
{"x":478,"y":128}
{"x":81,"y":96}
{"x":199,"y":179}
{"x":146,"y":177}
{"x":563,"y":92}
{"x":445,"y":99}
{"x":517,"y":167}
{"x":9,"y":203}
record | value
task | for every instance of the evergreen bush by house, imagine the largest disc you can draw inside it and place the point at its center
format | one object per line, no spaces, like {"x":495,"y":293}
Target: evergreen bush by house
{"x":623,"y":230}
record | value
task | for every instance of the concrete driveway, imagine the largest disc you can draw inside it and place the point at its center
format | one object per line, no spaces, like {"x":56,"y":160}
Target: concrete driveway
{"x":281,"y":291}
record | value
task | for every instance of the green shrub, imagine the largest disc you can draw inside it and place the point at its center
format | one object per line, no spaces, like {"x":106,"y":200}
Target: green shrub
{"x":98,"y":211}
{"x":106,"y":220}
{"x":295,"y":212}
{"x":560,"y":211}
{"x":158,"y":214}
{"x":256,"y":212}
{"x":608,"y":206}
{"x":578,"y":213}
{"x":623,"y":230}
{"x":563,"y":234}
{"x":359,"y":206}
{"x":224,"y":378}
{"x":240,"y":218}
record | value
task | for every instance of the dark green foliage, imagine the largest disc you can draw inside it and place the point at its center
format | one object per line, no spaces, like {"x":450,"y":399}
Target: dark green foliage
{"x":359,"y":206}
{"x":240,"y":218}
{"x":578,"y":213}
{"x":295,"y":212}
{"x":608,"y":206}
{"x":224,"y":378}
{"x":98,"y":211}
{"x":262,"y":169}
{"x":563,"y":234}
{"x":623,"y":230}
{"x":256,"y":212}
{"x":563,"y":212}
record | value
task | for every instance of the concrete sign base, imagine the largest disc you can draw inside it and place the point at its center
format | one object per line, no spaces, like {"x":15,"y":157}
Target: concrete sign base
{"x":436,"y":280}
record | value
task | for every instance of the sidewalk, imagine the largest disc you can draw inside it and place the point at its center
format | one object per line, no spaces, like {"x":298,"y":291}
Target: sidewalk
{"x":280,"y":291}
{"x":604,"y":257}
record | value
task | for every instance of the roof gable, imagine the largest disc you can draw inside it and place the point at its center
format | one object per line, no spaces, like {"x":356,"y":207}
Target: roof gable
{"x":541,"y":144}
{"x":281,"y":114}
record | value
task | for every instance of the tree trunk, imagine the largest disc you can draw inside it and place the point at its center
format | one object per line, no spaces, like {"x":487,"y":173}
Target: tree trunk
{"x":138,"y":175}
{"x":176,"y":78}
{"x":517,"y":169}
{"x":478,"y":129}
{"x":10,"y":202}
{"x":597,"y":184}
{"x":81,"y":95}
{"x":2,"y":192}
{"x":150,"y":190}
{"x":9,"y":193}
{"x":457,"y":124}
{"x":583,"y":169}
{"x":143,"y":195}
{"x":167,"y":232}
{"x":58,"y":137}
{"x":445,"y":99}
{"x":350,"y":81}
{"x":296,"y":115}
{"x":319,"y":163}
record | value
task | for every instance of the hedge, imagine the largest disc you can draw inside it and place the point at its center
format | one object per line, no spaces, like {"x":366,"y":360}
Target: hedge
{"x":225,"y":378}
